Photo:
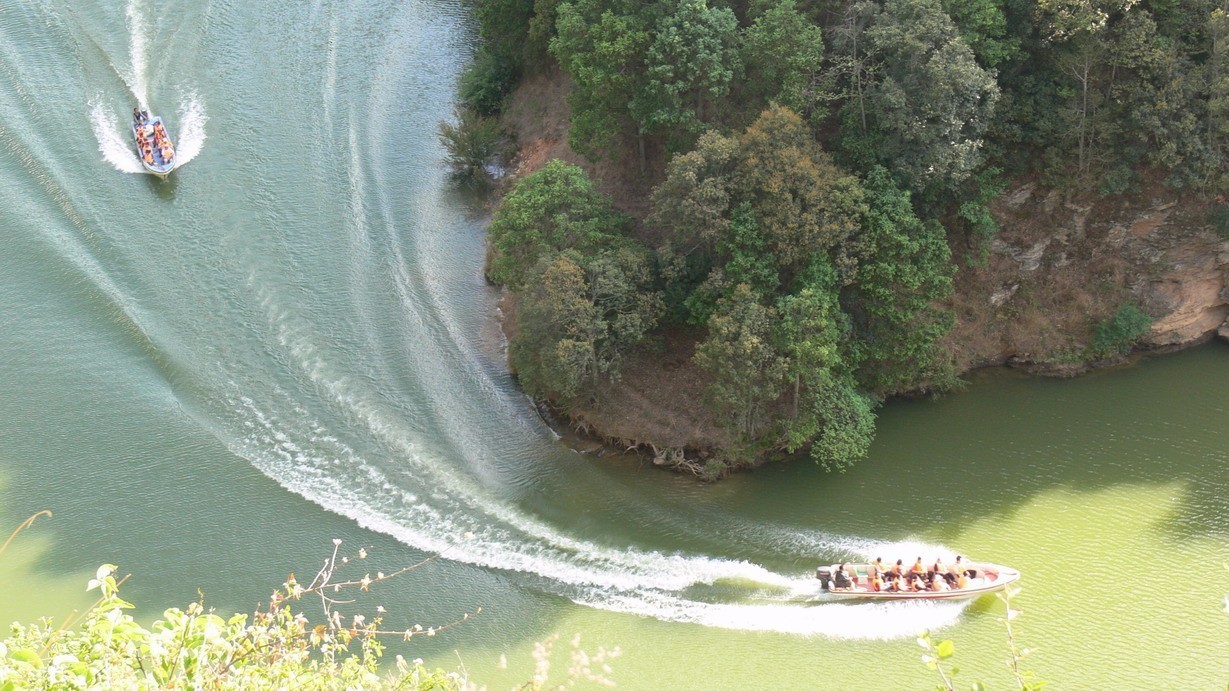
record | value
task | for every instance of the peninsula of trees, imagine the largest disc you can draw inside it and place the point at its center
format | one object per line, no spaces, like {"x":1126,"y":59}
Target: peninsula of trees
{"x":819,"y":172}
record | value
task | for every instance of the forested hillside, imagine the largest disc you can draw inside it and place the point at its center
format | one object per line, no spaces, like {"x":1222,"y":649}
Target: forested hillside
{"x":820,"y":172}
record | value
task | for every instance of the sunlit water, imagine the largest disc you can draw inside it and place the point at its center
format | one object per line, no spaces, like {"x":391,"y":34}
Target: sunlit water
{"x":207,"y":378}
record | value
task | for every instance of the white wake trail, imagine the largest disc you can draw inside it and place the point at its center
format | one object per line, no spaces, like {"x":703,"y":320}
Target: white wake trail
{"x":192,"y":121}
{"x":136,"y":46}
{"x":114,"y":147}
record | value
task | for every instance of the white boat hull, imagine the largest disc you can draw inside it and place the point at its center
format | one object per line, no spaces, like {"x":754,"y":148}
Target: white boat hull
{"x":991,"y":578}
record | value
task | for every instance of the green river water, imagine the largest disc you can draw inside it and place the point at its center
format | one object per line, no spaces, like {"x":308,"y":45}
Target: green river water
{"x":208,"y":378}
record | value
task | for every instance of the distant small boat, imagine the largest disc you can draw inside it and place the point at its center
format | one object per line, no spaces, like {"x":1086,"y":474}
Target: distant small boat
{"x":153,"y":141}
{"x":986,"y":578}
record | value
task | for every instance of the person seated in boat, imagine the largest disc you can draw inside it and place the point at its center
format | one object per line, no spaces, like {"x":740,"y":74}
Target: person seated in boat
{"x":962,"y":581}
{"x":877,"y":568}
{"x":938,"y":584}
{"x":841,"y":580}
{"x":941,"y":570}
{"x":149,"y":158}
{"x":894,"y":584}
{"x":898,"y":569}
{"x":918,"y":568}
{"x":876,"y":582}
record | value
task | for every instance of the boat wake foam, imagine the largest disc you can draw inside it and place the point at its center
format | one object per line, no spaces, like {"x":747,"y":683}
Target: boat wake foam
{"x":137,"y":81}
{"x":449,"y":517}
{"x":191,"y":127}
{"x":115,"y":148}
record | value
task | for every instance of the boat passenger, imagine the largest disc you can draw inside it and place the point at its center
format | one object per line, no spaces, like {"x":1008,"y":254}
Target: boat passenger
{"x":941,"y":570}
{"x":957,"y":567}
{"x":918,"y":568}
{"x":962,"y":581}
{"x":149,"y":158}
{"x":899,"y":569}
{"x":939,"y":583}
{"x":840,"y":579}
{"x":876,"y":582}
{"x":877,"y":567}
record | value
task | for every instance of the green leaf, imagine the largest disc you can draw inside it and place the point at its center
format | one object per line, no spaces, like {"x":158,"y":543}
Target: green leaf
{"x":945,"y":649}
{"x":27,"y":656}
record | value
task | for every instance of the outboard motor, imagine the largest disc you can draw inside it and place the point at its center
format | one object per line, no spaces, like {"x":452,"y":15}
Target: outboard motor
{"x":824,"y":574}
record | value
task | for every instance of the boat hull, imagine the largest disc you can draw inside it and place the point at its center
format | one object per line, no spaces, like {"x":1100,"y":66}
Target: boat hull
{"x":992,"y":578}
{"x":160,"y":166}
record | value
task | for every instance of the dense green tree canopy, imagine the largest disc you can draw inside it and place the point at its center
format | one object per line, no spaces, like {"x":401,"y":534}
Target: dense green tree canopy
{"x":904,"y":273}
{"x":932,"y":102}
{"x":551,"y":210}
{"x":817,"y":284}
{"x":690,"y":63}
{"x":783,"y":54}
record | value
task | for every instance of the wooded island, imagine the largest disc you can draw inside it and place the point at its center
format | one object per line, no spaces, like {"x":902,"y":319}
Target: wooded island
{"x":808,"y":198}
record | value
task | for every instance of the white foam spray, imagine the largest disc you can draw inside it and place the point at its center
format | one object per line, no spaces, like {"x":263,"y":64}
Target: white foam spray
{"x":647,"y":583}
{"x":192,"y":121}
{"x":115,"y":149}
{"x":136,"y":46}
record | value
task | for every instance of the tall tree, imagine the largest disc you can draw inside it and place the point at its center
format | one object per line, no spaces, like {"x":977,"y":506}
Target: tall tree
{"x":602,"y":47}
{"x":689,"y":64}
{"x":783,"y":55}
{"x":932,"y":102}
{"x":578,"y":318}
{"x":554,"y":209}
{"x":691,"y":206}
{"x":983,"y":26}
{"x":903,"y":275}
{"x":748,"y":374}
{"x":804,"y":204}
{"x":809,"y":333}
{"x":1077,"y":30}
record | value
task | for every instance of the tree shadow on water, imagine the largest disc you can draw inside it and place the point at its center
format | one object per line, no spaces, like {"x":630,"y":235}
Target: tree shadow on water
{"x":938,"y":465}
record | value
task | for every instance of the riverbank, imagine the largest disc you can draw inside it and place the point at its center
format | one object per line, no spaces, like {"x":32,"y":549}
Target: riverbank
{"x":1033,"y":297}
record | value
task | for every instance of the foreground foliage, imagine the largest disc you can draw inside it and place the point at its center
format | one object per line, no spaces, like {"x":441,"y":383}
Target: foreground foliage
{"x":197,"y":648}
{"x":938,"y":655}
{"x":276,"y":648}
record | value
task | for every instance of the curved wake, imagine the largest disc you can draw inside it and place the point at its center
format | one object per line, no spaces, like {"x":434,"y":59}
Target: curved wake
{"x":450,"y":517}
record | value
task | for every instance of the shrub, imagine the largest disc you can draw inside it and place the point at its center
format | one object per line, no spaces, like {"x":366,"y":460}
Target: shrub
{"x":1116,"y":335}
{"x":486,"y":82}
{"x":1218,"y":216}
{"x":473,"y":143}
{"x":198,"y":648}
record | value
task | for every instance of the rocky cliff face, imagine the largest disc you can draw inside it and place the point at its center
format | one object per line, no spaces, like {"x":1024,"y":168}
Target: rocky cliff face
{"x":1060,"y":266}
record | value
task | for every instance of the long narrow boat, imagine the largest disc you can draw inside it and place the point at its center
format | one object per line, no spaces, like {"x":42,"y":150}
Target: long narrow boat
{"x":149,"y":132}
{"x":987,"y":578}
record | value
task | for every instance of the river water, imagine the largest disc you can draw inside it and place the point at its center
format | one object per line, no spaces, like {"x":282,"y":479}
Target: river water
{"x":208,"y":378}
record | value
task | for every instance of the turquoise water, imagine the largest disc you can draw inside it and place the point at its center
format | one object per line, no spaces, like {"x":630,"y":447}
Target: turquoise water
{"x":209,"y":378}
